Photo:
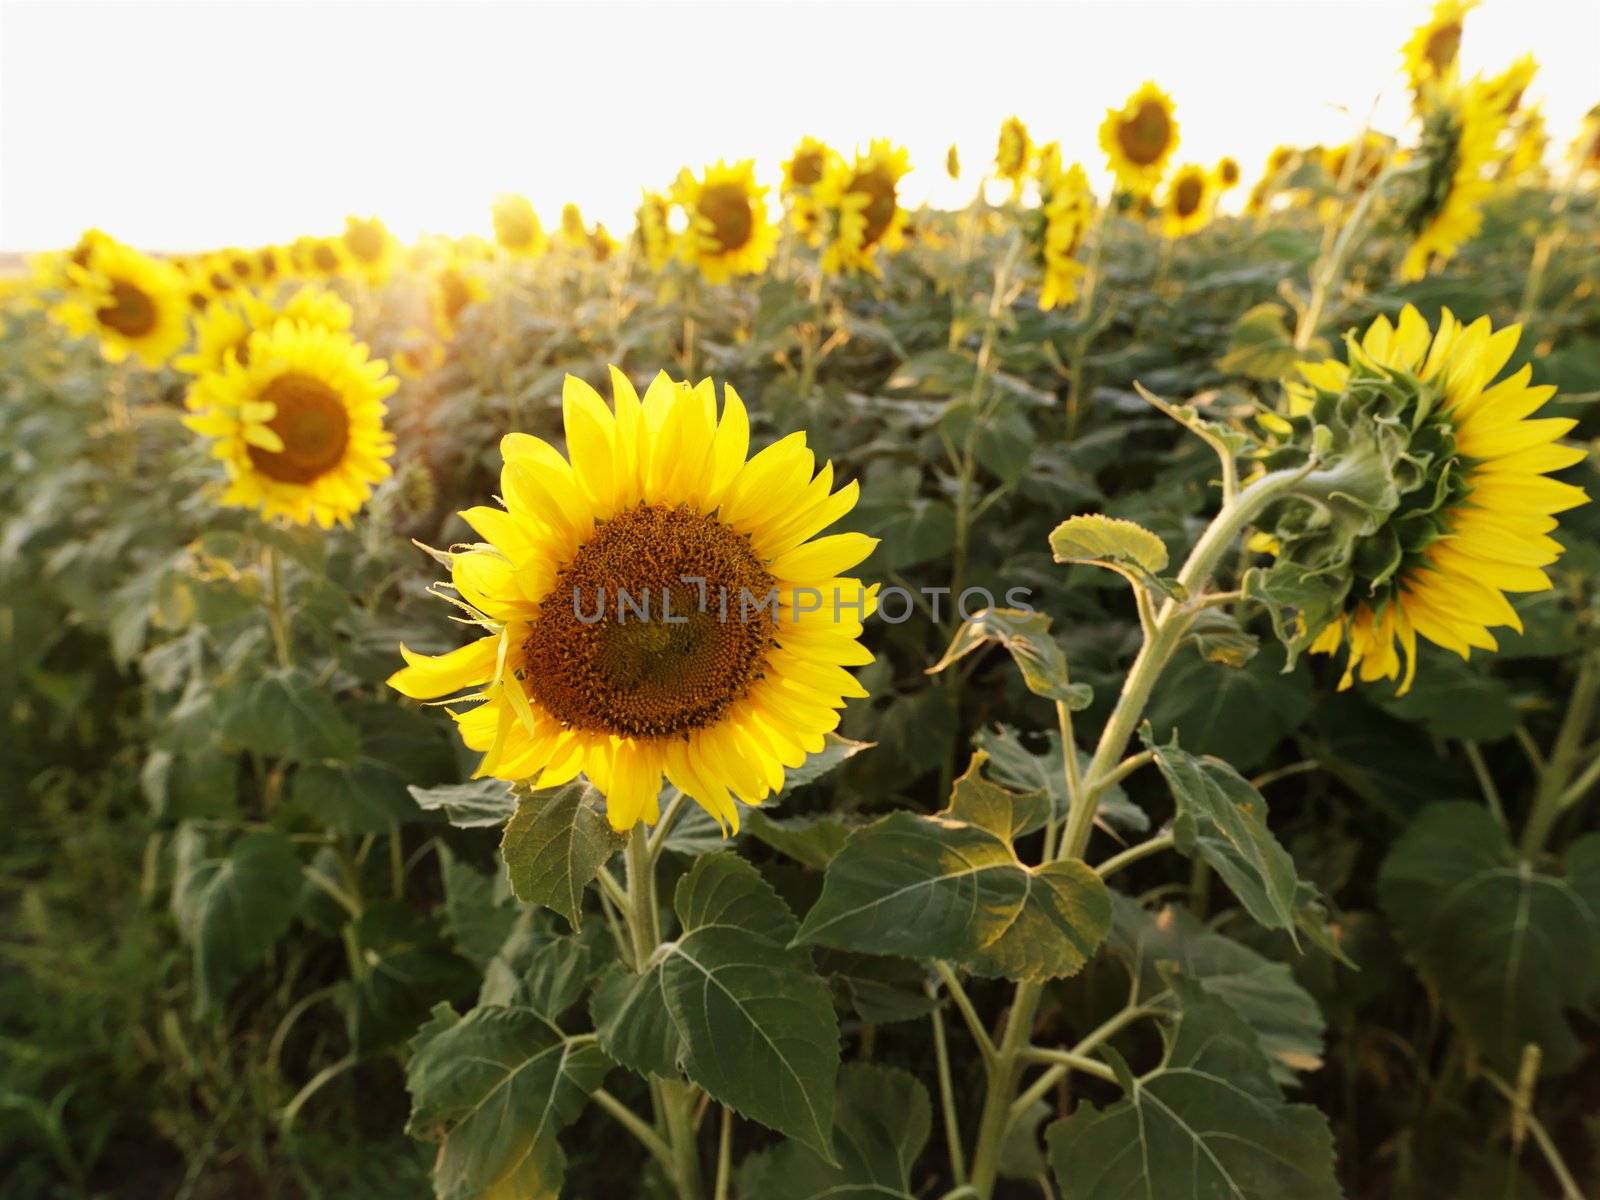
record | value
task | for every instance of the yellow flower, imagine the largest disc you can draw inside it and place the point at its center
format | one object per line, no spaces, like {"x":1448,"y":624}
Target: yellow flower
{"x":369,"y":248}
{"x":627,"y":602}
{"x":222,"y":331}
{"x":517,"y":230}
{"x":952,"y":162}
{"x":452,"y":287}
{"x":1505,"y":90}
{"x":1013,"y":153}
{"x":1430,"y":53}
{"x":1585,"y":149}
{"x":1476,"y":519}
{"x":1445,"y":206}
{"x":1189,"y":199}
{"x":861,"y":207}
{"x":1068,"y":209}
{"x":1526,"y":156}
{"x":601,"y":244}
{"x":1372,"y":154}
{"x":1139,"y":138}
{"x":1227,"y":173}
{"x":417,"y":354}
{"x":300,"y":425}
{"x":318,"y":258}
{"x":729,"y":231}
{"x":132,"y":303}
{"x":807,"y":167}
{"x":574,"y":233}
{"x":653,"y":229}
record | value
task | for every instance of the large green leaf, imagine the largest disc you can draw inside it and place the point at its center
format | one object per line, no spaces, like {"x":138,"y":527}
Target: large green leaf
{"x":232,"y":909}
{"x":1026,"y":635}
{"x":555,"y":844}
{"x":952,"y":886}
{"x":478,"y":803}
{"x":1209,"y":1123}
{"x":1020,"y":769}
{"x":733,"y":1004}
{"x":880,"y":1128}
{"x":1238,"y":713}
{"x":1223,"y":820}
{"x":403,"y":969}
{"x":494,"y":1088}
{"x":1509,"y":945}
{"x":286,"y":714}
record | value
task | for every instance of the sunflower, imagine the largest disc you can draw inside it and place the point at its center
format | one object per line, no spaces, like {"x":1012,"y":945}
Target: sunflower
{"x":1189,"y":199}
{"x":300,"y":425}
{"x":370,"y":248}
{"x":319,"y":258}
{"x":1474,"y":509}
{"x":1585,"y":149}
{"x":1444,"y":206}
{"x":601,"y":244}
{"x":222,"y":332}
{"x":1227,"y":173}
{"x":452,"y":288}
{"x":574,"y":233}
{"x":1506,"y":89}
{"x":861,"y":208}
{"x":952,"y":162}
{"x":417,"y":354}
{"x":1013,"y":153}
{"x":132,"y":303}
{"x":517,"y":230}
{"x":1067,"y":211}
{"x":1139,"y":138}
{"x":1372,"y":152}
{"x":729,"y":231}
{"x":804,"y":170}
{"x":583,"y":667}
{"x":1525,"y":157}
{"x":1430,"y":53}
{"x":652,"y":230}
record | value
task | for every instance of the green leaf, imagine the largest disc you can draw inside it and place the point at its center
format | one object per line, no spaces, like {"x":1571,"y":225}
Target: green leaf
{"x":537,"y":970}
{"x":555,"y":844}
{"x":232,"y":910}
{"x":948,"y":887}
{"x":835,"y":752}
{"x":810,"y":840}
{"x":494,"y":1088}
{"x":1262,"y":347}
{"x":286,"y":714}
{"x":1509,"y":945}
{"x":733,"y":1003}
{"x":881,"y":1126}
{"x":1113,"y":543}
{"x":1223,"y":820}
{"x":1208,"y":1124}
{"x":1238,"y":714}
{"x":403,"y":969}
{"x":478,"y":803}
{"x":1454,"y":699}
{"x":1020,"y":769}
{"x":1027,"y":636}
{"x":1219,"y":638}
{"x":476,"y":909}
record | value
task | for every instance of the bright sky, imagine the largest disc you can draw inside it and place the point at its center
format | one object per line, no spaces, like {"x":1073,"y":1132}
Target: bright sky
{"x":187,"y":125}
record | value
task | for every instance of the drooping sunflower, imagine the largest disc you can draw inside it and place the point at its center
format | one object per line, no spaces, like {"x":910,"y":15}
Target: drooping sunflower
{"x":369,"y":248}
{"x":517,"y":230}
{"x":1139,"y":138}
{"x":804,"y":170}
{"x":626,"y":597}
{"x":222,"y":331}
{"x":1430,"y":52}
{"x":132,"y":303}
{"x":730,"y":232}
{"x":1189,"y":199}
{"x":1013,"y":154}
{"x":653,"y":230}
{"x":1227,"y":173}
{"x":300,"y":426}
{"x":1068,"y":209}
{"x":1444,"y":205}
{"x":861,"y":208}
{"x":1473,"y":509}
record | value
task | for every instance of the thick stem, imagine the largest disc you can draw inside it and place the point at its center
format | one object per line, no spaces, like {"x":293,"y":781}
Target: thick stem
{"x":996,"y":1118}
{"x":277,"y":610}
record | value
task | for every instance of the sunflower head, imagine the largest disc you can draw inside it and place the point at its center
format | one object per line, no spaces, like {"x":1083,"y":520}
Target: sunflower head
{"x":453,"y":286}
{"x":1430,"y":52}
{"x":132,"y":303}
{"x":1189,"y":199}
{"x":861,"y":209}
{"x":1442,"y":205}
{"x":1013,"y":153}
{"x":636,"y":605}
{"x":417,"y":354}
{"x":299,"y":425}
{"x":729,"y":232}
{"x":652,"y":230}
{"x":516,"y":227}
{"x":369,"y":248}
{"x":806,"y":166}
{"x":1429,"y":500}
{"x":222,"y":332}
{"x":1056,"y":232}
{"x":1585,"y":150}
{"x":1139,"y":138}
{"x":574,"y":233}
{"x":952,"y":162}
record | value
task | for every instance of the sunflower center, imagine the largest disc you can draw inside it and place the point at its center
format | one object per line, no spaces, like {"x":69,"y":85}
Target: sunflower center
{"x":807,"y":168}
{"x":324,"y":258}
{"x":132,"y":312}
{"x":365,"y":242}
{"x":626,"y":645}
{"x":728,"y":208}
{"x":1186,"y":198}
{"x":1144,"y":136}
{"x":313,"y":425}
{"x":882,"y":196}
{"x":1443,"y":44}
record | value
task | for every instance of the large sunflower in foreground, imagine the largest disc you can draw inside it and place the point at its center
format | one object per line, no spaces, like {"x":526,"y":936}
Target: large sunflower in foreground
{"x":1473,"y":509}
{"x":517,"y":230}
{"x":735,"y":667}
{"x":861,"y":207}
{"x":1189,"y":198}
{"x":1430,"y":52}
{"x":1139,"y":138}
{"x":134,"y":304}
{"x":729,"y":230}
{"x":300,"y":425}
{"x":1444,"y":206}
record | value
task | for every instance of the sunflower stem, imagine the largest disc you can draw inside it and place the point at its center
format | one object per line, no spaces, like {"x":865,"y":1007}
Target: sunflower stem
{"x":947,"y":1097}
{"x":277,"y":610}
{"x":1565,"y":758}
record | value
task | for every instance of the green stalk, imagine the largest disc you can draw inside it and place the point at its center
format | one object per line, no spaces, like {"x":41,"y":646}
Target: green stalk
{"x":277,"y":610}
{"x":1565,"y":757}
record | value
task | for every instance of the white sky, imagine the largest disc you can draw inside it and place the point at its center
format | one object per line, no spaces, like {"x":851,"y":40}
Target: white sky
{"x":186,"y":125}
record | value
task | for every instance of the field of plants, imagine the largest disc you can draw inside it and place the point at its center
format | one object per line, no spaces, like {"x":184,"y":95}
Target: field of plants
{"x":1085,"y":696}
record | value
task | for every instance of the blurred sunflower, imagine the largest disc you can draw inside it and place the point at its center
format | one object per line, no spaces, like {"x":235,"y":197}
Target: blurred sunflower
{"x":134,"y":304}
{"x":369,"y":248}
{"x":269,"y":264}
{"x":952,"y":162}
{"x":319,"y":257}
{"x":1430,"y":52}
{"x":601,"y":244}
{"x":574,"y":233}
{"x":1067,"y":209}
{"x":517,"y":230}
{"x":1530,"y":140}
{"x":1139,"y":138}
{"x":861,"y":208}
{"x":1505,"y":90}
{"x":729,"y":230}
{"x":1227,"y":173}
{"x":1189,"y":199}
{"x":1584,"y":152}
{"x":300,"y":425}
{"x":1443,"y":206}
{"x":652,"y":230}
{"x":805,"y":169}
{"x":657,"y":505}
{"x":1013,"y":153}
{"x":1372,"y":152}
{"x":417,"y":354}
{"x":1476,"y":509}
{"x":222,"y":332}
{"x":452,"y":288}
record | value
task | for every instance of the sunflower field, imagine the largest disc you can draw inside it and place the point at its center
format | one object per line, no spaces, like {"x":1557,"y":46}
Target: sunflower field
{"x":1086,"y":695}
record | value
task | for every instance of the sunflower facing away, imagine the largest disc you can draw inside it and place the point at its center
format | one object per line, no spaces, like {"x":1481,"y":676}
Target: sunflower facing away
{"x":1474,"y":512}
{"x":1139,"y":138}
{"x":574,"y":233}
{"x":452,"y":288}
{"x":516,"y":227}
{"x":655,"y":508}
{"x":134,"y":304}
{"x":1068,"y":209}
{"x":861,"y":206}
{"x":1430,"y":52}
{"x":1189,"y":199}
{"x":1013,"y":153}
{"x":300,"y":425}
{"x":652,"y":230}
{"x":804,"y":170}
{"x":729,"y":230}
{"x":1444,"y":207}
{"x":222,"y":332}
